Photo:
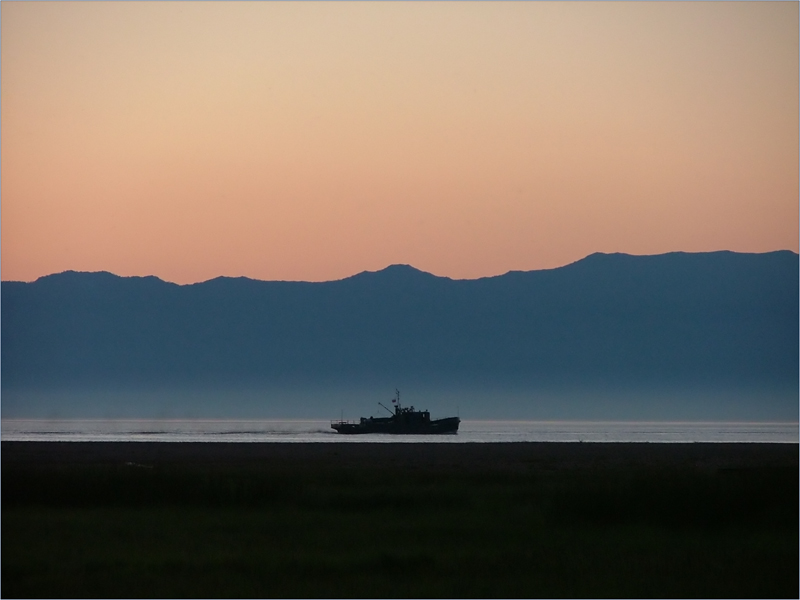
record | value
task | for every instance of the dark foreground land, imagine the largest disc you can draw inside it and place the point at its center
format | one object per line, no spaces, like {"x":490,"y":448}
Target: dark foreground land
{"x":399,"y":520}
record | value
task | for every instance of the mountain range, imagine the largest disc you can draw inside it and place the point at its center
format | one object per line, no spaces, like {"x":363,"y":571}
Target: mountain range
{"x":712,"y":321}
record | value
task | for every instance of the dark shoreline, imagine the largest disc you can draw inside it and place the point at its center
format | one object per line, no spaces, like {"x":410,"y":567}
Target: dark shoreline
{"x":502,"y":456}
{"x":514,"y":520}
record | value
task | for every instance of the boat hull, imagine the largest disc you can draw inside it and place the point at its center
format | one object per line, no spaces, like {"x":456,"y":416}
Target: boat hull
{"x":390,"y":426}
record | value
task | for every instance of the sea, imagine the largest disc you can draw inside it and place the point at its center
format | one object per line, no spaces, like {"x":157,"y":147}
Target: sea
{"x":319,"y":431}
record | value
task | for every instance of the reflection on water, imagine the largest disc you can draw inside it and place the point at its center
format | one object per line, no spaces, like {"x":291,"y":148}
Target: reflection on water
{"x":162,"y":430}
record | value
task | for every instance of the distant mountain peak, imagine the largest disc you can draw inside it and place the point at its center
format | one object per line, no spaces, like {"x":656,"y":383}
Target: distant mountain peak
{"x":69,"y":274}
{"x":97,"y":277}
{"x":398,"y":272}
{"x":401,"y":268}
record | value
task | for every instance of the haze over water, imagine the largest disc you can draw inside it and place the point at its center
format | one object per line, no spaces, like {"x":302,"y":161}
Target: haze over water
{"x":294,"y":431}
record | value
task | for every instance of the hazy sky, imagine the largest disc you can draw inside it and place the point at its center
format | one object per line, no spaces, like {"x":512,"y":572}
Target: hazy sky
{"x":312,"y":141}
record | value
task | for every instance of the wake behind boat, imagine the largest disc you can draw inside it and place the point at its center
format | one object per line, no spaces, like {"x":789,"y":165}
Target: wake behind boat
{"x":401,"y":421}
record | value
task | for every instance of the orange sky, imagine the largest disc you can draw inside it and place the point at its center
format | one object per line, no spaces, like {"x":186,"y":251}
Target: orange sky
{"x":311,"y":141}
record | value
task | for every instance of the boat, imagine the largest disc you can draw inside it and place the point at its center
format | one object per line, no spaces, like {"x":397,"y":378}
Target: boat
{"x":402,"y":421}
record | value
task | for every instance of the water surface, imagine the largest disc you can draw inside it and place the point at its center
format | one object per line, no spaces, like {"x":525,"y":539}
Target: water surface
{"x":319,"y":431}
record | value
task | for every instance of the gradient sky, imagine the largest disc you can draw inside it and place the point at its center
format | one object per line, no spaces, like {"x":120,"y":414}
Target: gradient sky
{"x":312,"y":141}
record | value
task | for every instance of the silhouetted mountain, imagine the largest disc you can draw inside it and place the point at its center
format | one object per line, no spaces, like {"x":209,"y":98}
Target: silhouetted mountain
{"x":718,"y":317}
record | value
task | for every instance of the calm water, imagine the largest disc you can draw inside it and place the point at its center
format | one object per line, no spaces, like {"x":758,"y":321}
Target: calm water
{"x":162,"y":430}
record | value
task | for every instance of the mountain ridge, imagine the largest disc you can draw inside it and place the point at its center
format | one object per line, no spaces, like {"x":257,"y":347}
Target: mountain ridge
{"x":714,"y":320}
{"x":406,"y":268}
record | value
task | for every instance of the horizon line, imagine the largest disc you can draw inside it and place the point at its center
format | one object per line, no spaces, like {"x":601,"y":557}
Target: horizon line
{"x":394,"y":265}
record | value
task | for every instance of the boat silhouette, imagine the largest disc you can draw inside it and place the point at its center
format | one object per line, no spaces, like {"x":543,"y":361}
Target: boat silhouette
{"x":401,"y":421}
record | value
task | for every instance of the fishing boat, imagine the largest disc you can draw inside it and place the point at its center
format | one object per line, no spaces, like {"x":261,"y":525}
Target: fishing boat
{"x":402,"y":421}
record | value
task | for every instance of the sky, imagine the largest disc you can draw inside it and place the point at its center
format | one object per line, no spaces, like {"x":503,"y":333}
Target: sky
{"x":312,"y":141}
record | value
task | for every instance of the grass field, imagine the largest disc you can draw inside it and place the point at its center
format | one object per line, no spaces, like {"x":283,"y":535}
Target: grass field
{"x":340,"y":527}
